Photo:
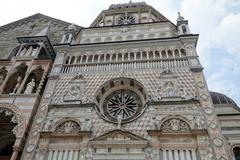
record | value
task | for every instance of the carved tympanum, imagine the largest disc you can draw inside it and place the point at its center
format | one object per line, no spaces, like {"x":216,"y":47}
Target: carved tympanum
{"x":175,"y":125}
{"x":68,"y":127}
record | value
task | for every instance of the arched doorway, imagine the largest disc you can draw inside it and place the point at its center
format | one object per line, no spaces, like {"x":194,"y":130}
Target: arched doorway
{"x":7,"y":136}
{"x":236,"y":152}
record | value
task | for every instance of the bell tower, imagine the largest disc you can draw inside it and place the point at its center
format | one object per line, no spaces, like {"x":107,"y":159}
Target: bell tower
{"x":182,"y":25}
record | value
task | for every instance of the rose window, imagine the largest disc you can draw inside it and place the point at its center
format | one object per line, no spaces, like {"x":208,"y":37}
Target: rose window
{"x":126,"y":20}
{"x":121,"y":99}
{"x":125,"y":103}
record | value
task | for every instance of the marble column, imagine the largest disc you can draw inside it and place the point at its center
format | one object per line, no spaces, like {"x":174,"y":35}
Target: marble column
{"x":15,"y":153}
{"x":188,"y":156}
{"x":194,"y":157}
{"x":182,"y":155}
{"x":170,"y":154}
{"x":176,"y":155}
{"x":164,"y":154}
{"x":50,"y":154}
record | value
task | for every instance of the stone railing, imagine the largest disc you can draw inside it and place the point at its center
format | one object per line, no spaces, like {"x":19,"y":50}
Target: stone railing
{"x":116,"y":66}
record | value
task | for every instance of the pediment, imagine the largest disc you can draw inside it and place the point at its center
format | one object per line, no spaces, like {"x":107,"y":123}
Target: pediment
{"x":32,"y":19}
{"x":119,"y":139}
{"x":132,"y":9}
{"x":119,"y":135}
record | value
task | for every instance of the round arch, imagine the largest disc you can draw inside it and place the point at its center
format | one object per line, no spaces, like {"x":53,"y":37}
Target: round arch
{"x":21,"y":120}
{"x":124,"y":97}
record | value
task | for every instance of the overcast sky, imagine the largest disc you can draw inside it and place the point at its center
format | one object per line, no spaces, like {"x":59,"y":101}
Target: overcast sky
{"x":217,"y":22}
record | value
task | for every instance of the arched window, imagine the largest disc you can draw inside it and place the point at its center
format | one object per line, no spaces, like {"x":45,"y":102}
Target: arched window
{"x":183,"y":53}
{"x":144,"y":55}
{"x":176,"y":52}
{"x":72,"y":60}
{"x":67,"y":60}
{"x":107,"y":57}
{"x":114,"y":57}
{"x":84,"y":59}
{"x":170,"y":55}
{"x":184,"y":29}
{"x":90,"y":58}
{"x":125,"y":56}
{"x":102,"y":58}
{"x":157,"y":55}
{"x":33,"y":81}
{"x":164,"y":55}
{"x":78,"y":59}
{"x":119,"y":57}
{"x":15,"y":79}
{"x":96,"y":58}
{"x":138,"y":56}
{"x":236,"y":152}
{"x":131,"y":56}
{"x":150,"y":55}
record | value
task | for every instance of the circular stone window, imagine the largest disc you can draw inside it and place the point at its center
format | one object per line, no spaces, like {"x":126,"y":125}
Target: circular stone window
{"x":124,"y":103}
{"x":126,"y":20}
{"x":121,"y":98}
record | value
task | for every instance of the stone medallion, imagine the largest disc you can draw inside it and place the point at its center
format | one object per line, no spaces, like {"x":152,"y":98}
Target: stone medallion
{"x":217,"y":142}
{"x":39,"y":120}
{"x":212,"y":125}
{"x":200,"y":84}
{"x":30,"y":148}
{"x":204,"y":97}
{"x":208,"y":110}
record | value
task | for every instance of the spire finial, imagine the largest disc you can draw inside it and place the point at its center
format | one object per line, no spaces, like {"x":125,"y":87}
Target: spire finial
{"x":180,"y":18}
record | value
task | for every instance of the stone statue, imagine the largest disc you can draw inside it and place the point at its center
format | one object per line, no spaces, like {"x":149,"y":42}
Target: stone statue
{"x":29,"y":51}
{"x":19,"y":81}
{"x":119,"y":120}
{"x":170,"y":91}
{"x":30,"y":87}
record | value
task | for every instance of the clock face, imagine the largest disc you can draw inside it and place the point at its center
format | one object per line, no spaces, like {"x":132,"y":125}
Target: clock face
{"x":124,"y":103}
{"x":126,"y":20}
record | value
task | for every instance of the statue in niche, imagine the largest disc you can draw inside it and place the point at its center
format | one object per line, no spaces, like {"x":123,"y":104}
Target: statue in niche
{"x":17,"y":86}
{"x":34,"y":51}
{"x":30,"y":87}
{"x":76,"y":91}
{"x":29,"y":51}
{"x":23,"y":51}
{"x":169,"y":90}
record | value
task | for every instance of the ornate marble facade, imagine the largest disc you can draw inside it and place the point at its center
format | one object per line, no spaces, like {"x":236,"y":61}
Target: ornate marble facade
{"x":130,"y":86}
